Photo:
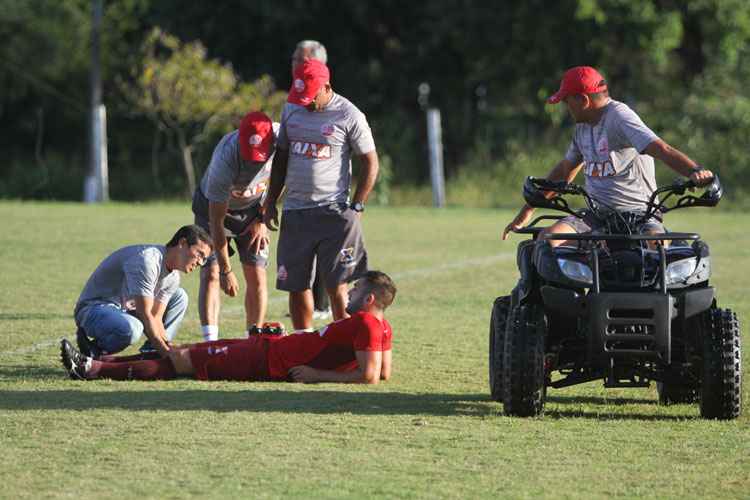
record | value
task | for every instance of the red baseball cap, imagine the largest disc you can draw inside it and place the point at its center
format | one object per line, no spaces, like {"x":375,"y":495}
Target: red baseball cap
{"x":579,"y":80}
{"x":309,"y":77}
{"x":256,"y":136}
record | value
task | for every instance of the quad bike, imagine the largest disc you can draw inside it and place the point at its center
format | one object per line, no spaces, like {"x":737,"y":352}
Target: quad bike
{"x":615,"y":305}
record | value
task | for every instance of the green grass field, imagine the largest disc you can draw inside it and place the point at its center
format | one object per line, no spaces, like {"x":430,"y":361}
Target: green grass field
{"x":431,"y":431}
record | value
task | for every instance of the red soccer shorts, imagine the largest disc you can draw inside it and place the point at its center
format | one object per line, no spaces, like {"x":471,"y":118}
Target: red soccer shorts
{"x":245,"y":360}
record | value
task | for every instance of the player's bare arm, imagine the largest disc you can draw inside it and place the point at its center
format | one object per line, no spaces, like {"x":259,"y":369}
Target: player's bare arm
{"x":145,"y":309}
{"x":217,"y":212}
{"x":368,"y":174}
{"x":385,"y":367}
{"x":278,"y":178}
{"x":679,"y":162}
{"x":367,"y":371}
{"x":564,"y":170}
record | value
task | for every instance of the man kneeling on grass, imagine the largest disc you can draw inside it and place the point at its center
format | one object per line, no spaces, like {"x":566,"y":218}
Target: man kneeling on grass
{"x":355,"y":350}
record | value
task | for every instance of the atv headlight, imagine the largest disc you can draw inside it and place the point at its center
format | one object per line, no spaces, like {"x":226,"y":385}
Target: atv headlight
{"x":681,"y":270}
{"x":575,"y":270}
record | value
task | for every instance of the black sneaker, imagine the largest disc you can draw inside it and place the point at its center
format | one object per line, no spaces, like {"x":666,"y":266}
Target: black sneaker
{"x":267,"y":329}
{"x":76,"y":363}
{"x":148,"y":351}
{"x":87,"y":346}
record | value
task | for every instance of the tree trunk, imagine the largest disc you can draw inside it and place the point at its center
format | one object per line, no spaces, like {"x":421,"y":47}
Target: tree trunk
{"x":187,"y":161}
{"x":155,"y":147}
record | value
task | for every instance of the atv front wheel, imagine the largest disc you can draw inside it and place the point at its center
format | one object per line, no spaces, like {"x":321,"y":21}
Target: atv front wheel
{"x":498,"y":322}
{"x":524,"y":388}
{"x":721,"y":381}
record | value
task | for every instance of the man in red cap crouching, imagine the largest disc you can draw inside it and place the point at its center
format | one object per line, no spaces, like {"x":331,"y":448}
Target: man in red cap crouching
{"x":320,"y":132}
{"x":616,"y":151}
{"x":227,"y":203}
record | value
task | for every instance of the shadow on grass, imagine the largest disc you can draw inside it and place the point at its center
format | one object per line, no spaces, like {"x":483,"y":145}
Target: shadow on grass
{"x":603,"y":401}
{"x":601,"y":413}
{"x":559,"y":414}
{"x":260,"y":399}
{"x":271,"y":397}
{"x":287,"y":398}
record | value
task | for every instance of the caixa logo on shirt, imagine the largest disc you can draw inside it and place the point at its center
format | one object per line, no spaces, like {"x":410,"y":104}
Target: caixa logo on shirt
{"x":311,"y":150}
{"x":599,"y":169}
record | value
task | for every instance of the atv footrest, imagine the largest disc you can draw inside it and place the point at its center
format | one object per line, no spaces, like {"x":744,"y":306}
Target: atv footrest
{"x":627,"y":325}
{"x":626,"y":383}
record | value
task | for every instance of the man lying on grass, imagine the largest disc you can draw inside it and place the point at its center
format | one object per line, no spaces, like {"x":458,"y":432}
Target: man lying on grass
{"x":355,"y":350}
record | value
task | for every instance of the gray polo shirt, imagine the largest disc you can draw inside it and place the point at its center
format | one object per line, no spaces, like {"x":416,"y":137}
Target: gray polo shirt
{"x":231,"y":179}
{"x":616,"y":172}
{"x":132,"y":271}
{"x":321,"y":145}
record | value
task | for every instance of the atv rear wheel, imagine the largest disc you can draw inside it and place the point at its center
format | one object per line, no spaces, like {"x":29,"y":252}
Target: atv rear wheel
{"x":524,"y":388}
{"x":498,"y":322}
{"x":721,"y":381}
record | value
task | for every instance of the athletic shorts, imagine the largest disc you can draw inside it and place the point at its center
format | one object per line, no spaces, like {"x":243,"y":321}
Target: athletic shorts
{"x":235,"y":222}
{"x":330,"y":237}
{"x":243,"y":359}
{"x":589,"y":223}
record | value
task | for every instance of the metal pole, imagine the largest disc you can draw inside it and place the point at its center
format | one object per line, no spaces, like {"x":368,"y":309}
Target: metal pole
{"x":103,"y":172}
{"x":94,"y":185}
{"x":435,"y":140}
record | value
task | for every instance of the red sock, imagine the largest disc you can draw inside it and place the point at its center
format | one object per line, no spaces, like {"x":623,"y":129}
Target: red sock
{"x":152,"y":369}
{"x":113,"y":358}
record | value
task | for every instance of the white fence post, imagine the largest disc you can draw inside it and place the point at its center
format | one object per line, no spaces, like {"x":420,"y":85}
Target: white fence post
{"x":435,"y":143}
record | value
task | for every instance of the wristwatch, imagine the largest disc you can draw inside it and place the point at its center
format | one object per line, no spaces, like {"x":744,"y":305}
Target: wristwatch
{"x":357,"y":206}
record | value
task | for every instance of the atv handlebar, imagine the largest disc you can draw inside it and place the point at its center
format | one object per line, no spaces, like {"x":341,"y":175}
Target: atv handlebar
{"x":534,"y":190}
{"x":710,"y":197}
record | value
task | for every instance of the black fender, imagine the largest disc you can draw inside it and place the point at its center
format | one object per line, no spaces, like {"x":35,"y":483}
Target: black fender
{"x":525,"y":263}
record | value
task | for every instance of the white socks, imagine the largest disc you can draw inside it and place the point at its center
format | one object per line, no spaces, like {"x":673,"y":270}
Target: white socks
{"x":210,"y":332}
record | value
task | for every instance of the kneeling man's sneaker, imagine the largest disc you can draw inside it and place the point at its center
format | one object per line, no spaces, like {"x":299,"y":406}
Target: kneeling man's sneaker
{"x":87,"y":346}
{"x":76,"y":363}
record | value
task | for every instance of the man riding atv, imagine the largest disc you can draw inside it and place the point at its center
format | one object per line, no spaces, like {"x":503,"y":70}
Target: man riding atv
{"x":616,"y":150}
{"x":607,"y":293}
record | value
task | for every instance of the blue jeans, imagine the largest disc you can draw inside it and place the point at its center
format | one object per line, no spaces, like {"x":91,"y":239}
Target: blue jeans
{"x":115,"y":329}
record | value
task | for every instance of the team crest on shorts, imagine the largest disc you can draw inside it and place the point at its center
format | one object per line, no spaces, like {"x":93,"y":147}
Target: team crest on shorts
{"x":281,"y":273}
{"x":213,"y":351}
{"x":327,"y":129}
{"x":347,"y":256}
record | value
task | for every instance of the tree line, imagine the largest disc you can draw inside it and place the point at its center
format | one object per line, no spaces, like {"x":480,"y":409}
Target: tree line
{"x":681,"y":64}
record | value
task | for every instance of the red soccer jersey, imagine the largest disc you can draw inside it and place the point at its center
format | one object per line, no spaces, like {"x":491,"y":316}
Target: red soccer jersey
{"x":333,"y":347}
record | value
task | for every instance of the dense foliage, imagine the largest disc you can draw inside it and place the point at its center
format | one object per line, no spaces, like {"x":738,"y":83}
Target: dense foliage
{"x":681,"y":65}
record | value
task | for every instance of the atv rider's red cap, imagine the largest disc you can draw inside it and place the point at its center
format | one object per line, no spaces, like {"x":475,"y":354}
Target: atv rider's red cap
{"x":309,"y":77}
{"x":256,"y":137}
{"x":579,"y":80}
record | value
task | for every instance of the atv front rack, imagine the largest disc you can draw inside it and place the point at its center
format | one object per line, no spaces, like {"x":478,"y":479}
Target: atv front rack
{"x":624,"y":325}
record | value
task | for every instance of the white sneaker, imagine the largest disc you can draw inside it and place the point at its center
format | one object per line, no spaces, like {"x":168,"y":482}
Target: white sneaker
{"x":324,"y":314}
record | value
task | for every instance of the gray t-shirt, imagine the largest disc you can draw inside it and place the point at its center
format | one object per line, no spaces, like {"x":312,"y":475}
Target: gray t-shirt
{"x":132,"y":271}
{"x":616,"y":172}
{"x":231,"y":179}
{"x":321,"y":145}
